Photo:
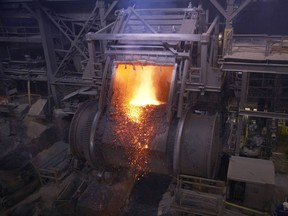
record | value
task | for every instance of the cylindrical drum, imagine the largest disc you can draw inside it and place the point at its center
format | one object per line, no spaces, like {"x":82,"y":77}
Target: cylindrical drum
{"x":197,"y":146}
{"x":192,"y":147}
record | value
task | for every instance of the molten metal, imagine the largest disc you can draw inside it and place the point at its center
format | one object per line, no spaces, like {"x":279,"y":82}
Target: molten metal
{"x":137,"y":91}
{"x":145,"y":92}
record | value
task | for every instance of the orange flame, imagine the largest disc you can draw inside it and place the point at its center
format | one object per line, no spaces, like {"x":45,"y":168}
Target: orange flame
{"x":137,"y":90}
{"x":145,"y":92}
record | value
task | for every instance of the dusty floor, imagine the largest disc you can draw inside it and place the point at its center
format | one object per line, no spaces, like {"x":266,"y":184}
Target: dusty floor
{"x":148,"y":190}
{"x":147,"y":194}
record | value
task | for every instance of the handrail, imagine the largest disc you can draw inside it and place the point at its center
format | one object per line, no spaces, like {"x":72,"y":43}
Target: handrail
{"x":270,"y":43}
{"x":246,"y":208}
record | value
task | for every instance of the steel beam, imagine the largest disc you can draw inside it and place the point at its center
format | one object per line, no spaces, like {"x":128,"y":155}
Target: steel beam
{"x":204,"y":63}
{"x":74,"y":42}
{"x":142,"y":52}
{"x":244,"y":90}
{"x":176,"y":10}
{"x":103,"y":30}
{"x":114,"y":3}
{"x":182,"y":89}
{"x":219,"y":8}
{"x":244,"y":86}
{"x":271,"y":115}
{"x":151,"y":29}
{"x":239,"y":9}
{"x":146,"y":37}
{"x":101,"y":12}
{"x":29,"y":39}
{"x":76,"y":81}
{"x":50,"y":58}
{"x":229,"y":13}
{"x":89,"y":70}
{"x":104,"y":83}
{"x":212,"y":26}
{"x":216,"y":46}
{"x":254,"y":67}
{"x":30,"y":10}
{"x":64,"y":32}
{"x":143,"y":21}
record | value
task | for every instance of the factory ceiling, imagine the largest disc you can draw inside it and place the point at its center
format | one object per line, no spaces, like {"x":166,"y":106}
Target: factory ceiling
{"x":260,"y":17}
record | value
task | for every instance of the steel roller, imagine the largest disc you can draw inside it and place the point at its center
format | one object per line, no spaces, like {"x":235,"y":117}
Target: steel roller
{"x":188,"y":146}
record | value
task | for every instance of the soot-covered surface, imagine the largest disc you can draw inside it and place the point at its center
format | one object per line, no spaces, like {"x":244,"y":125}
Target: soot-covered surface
{"x":147,"y":194}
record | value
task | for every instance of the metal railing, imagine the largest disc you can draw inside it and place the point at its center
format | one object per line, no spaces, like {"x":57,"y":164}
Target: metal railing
{"x":196,"y":195}
{"x":258,"y":43}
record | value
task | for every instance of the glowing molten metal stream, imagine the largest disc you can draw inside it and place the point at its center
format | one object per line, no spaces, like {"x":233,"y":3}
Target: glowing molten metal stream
{"x":144,"y":95}
{"x":137,"y":91}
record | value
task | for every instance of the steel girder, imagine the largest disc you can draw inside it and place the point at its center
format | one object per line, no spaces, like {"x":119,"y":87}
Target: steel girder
{"x":124,"y":39}
{"x":74,"y":39}
{"x":144,"y":37}
{"x":272,"y":68}
{"x":229,"y":14}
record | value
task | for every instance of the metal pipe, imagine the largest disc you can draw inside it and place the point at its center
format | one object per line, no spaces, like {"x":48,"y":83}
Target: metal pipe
{"x":245,"y":208}
{"x":212,"y":26}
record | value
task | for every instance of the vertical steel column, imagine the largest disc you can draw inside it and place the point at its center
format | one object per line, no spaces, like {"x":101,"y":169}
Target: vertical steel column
{"x":102,"y":13}
{"x":103,"y":23}
{"x":241,"y":107}
{"x":229,"y":12}
{"x":182,"y":89}
{"x":48,"y":48}
{"x":229,"y":15}
{"x":204,"y":50}
{"x":88,"y":72}
{"x":104,"y":83}
{"x":216,"y":46}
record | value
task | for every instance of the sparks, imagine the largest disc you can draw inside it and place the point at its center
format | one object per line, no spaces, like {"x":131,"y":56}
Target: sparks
{"x":136,"y":94}
{"x":134,"y":113}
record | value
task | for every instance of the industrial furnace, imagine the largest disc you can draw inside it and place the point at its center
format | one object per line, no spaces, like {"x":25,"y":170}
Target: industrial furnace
{"x":147,"y":90}
{"x":158,"y":64}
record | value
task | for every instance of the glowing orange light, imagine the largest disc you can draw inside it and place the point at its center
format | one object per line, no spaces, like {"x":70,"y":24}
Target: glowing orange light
{"x":137,"y":91}
{"x":145,"y":92}
{"x":134,"y":113}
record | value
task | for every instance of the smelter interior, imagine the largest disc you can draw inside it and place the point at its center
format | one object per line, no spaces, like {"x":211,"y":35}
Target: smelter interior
{"x":143,"y":108}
